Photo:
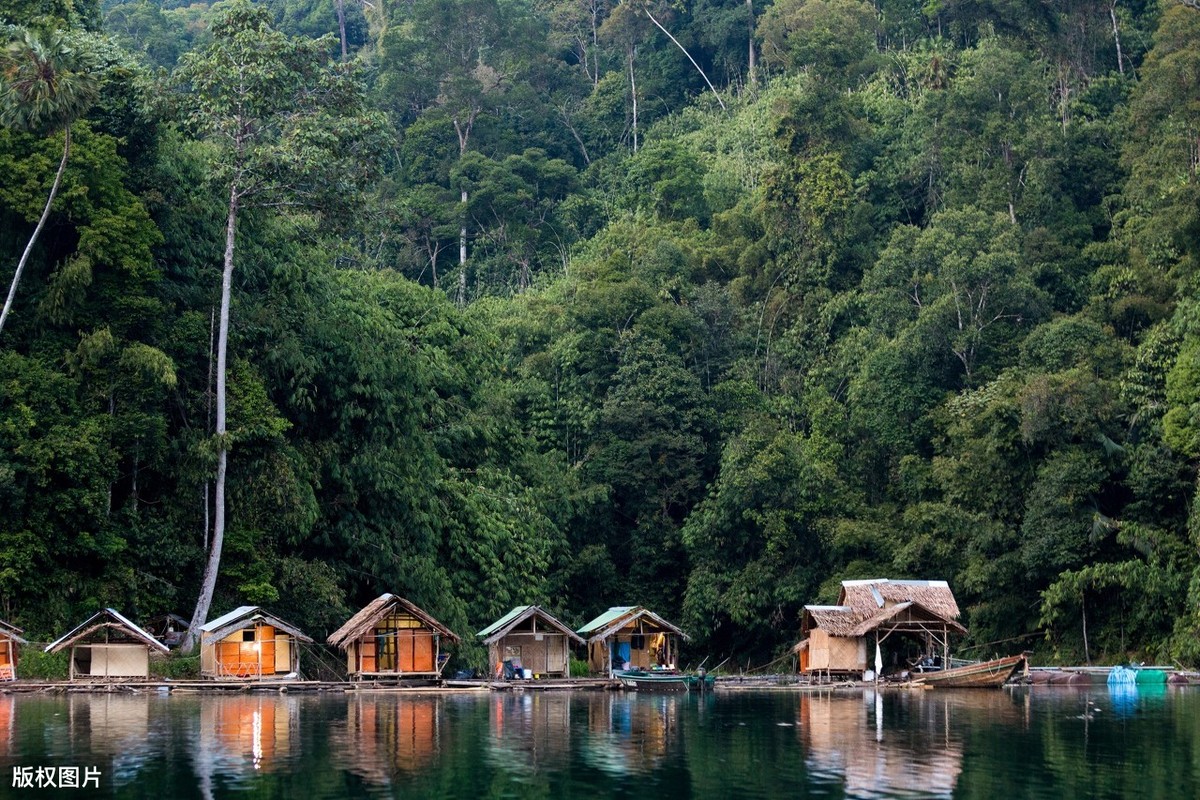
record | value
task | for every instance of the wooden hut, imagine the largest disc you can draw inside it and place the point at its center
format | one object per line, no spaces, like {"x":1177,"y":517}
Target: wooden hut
{"x":391,"y":637}
{"x":249,"y":642}
{"x":531,"y":638}
{"x":840,"y":639}
{"x":108,"y":645}
{"x":626,"y":637}
{"x":10,"y":637}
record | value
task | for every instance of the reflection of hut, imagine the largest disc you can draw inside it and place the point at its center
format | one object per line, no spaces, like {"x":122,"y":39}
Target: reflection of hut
{"x":10,"y":637}
{"x":844,"y":737}
{"x":631,"y":733}
{"x":249,"y":643}
{"x":532,"y":638}
{"x":835,"y":638}
{"x":387,"y":736}
{"x":108,"y":645}
{"x":392,"y":637}
{"x":112,"y":724}
{"x":530,"y":730}
{"x":631,"y":635}
{"x":168,"y":629}
{"x":247,"y":730}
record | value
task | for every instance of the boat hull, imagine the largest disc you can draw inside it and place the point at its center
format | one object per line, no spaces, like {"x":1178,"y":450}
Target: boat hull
{"x":984,"y":675}
{"x":647,"y":681}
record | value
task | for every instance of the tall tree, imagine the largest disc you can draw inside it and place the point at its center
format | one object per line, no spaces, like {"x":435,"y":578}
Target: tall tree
{"x":289,"y":129}
{"x":44,"y":86}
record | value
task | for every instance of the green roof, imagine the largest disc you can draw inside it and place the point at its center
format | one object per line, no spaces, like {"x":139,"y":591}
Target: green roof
{"x":608,"y":617}
{"x":500,"y":623}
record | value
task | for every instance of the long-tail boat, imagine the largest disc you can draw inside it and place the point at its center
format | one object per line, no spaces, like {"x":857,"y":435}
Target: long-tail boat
{"x":985,"y":674}
{"x":662,"y":681}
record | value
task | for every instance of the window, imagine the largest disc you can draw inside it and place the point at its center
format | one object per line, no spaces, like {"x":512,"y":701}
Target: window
{"x":247,"y":634}
{"x":637,"y":641}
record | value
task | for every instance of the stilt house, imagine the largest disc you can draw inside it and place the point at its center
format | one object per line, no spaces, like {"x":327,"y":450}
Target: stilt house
{"x":108,"y":645}
{"x":626,"y":637}
{"x":841,"y":639}
{"x":10,"y":637}
{"x":531,"y":638}
{"x":392,"y":637}
{"x":249,"y":642}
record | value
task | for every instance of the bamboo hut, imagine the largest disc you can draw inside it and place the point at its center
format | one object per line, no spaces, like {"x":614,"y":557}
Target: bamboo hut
{"x":249,"y":643}
{"x":838,"y":639}
{"x":529,"y":637}
{"x":10,"y":637}
{"x":391,"y":637}
{"x":108,"y":645}
{"x":627,"y":637}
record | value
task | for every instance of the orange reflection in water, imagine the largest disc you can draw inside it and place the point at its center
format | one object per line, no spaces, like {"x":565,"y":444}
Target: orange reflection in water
{"x":386,"y":736}
{"x":256,"y":731}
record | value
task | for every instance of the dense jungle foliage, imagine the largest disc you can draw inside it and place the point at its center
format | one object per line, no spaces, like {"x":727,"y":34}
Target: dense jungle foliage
{"x":703,"y":305}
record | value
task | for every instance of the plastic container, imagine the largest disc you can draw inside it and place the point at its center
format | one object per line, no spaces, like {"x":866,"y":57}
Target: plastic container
{"x":528,"y":673}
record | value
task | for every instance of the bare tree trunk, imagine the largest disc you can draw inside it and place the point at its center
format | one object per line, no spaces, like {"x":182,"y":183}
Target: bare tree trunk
{"x":341,"y":15}
{"x":462,"y":232}
{"x":633,"y":93}
{"x":1112,"y":14}
{"x":753,"y":68}
{"x":689,"y":58}
{"x":62,"y":166}
{"x":209,"y":583}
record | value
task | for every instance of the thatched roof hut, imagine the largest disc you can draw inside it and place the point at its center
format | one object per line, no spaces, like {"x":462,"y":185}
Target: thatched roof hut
{"x":835,"y":637}
{"x":627,"y":637}
{"x":390,"y":637}
{"x":108,"y":645}
{"x":529,"y":637}
{"x":249,"y":642}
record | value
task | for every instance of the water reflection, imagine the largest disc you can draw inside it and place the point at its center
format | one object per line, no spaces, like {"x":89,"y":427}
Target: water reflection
{"x":850,"y":738}
{"x":631,"y":733}
{"x":242,"y":736}
{"x":1045,"y":744}
{"x":385,"y":737}
{"x":529,"y":731}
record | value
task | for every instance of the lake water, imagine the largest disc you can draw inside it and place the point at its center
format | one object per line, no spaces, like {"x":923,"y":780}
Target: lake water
{"x":1023,"y":743}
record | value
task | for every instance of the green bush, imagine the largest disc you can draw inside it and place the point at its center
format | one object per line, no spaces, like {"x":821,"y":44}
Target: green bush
{"x":36,"y":664}
{"x":175,"y":667}
{"x":579,"y":669}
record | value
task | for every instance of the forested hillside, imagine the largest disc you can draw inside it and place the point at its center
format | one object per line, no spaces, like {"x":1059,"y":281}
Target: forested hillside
{"x":703,"y":305}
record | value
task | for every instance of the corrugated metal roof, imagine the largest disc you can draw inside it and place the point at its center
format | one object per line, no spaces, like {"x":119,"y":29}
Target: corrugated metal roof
{"x":227,"y":623}
{"x":612,"y":615}
{"x":118,"y":620}
{"x":503,"y":626}
{"x":507,"y":618}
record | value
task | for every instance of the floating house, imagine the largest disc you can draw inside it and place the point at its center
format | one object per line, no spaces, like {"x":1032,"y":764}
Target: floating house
{"x":391,"y":637}
{"x":531,"y":638}
{"x":836,"y":639}
{"x":108,"y":645}
{"x":249,"y":642}
{"x":10,"y":637}
{"x":627,"y":637}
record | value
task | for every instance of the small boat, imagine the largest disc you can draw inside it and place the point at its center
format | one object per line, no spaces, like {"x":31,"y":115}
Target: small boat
{"x":985,"y":674}
{"x":662,"y":681}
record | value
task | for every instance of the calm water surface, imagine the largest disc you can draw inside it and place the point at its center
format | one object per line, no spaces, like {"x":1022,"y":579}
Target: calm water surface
{"x":1024,"y":743}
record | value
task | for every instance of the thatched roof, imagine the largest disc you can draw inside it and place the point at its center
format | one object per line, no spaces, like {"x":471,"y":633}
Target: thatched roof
{"x":377,"y":609}
{"x":834,"y":620}
{"x":912,"y":613}
{"x":869,"y":596}
{"x":243,"y":617}
{"x":106,"y":618}
{"x":503,"y":626}
{"x":618,"y":617}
